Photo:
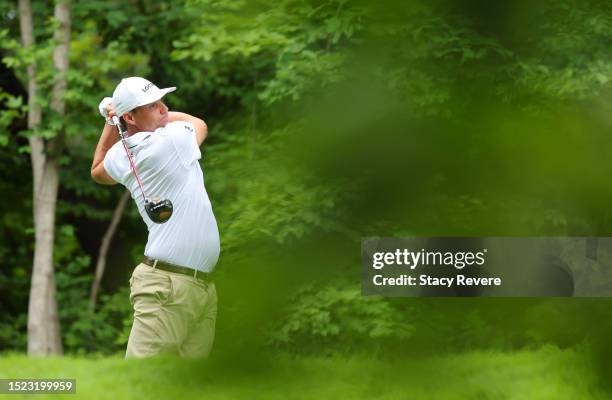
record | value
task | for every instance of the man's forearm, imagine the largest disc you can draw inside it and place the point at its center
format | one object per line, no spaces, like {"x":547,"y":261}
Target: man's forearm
{"x":107,"y":140}
{"x":181,"y":116}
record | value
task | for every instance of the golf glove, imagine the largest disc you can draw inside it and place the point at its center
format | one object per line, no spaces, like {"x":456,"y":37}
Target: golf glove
{"x":102,"y":108}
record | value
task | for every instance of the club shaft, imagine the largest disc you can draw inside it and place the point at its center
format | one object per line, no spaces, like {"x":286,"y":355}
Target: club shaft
{"x":122,"y":134}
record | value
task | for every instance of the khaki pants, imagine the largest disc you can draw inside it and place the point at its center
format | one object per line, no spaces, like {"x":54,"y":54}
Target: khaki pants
{"x":173,"y":313}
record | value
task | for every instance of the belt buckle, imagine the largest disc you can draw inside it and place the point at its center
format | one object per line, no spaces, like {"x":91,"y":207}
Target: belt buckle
{"x":197,"y":278}
{"x":204,"y":277}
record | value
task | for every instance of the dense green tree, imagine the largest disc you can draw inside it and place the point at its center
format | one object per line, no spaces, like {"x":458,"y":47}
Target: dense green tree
{"x":329,"y":121}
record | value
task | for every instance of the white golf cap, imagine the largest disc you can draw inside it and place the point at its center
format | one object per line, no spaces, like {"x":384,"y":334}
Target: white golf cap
{"x":134,"y":92}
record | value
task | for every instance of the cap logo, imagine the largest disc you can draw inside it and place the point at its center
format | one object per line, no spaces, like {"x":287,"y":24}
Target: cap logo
{"x":147,"y":87}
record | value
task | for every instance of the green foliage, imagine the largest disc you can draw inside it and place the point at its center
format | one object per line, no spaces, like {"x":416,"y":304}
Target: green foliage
{"x":11,"y":108}
{"x":104,"y":331}
{"x":336,"y":317}
{"x":83,"y":330}
{"x":13,"y":330}
{"x":431,"y":54}
{"x":329,"y":118}
{"x":572,"y":59}
{"x":16,"y":247}
{"x":269,"y":52}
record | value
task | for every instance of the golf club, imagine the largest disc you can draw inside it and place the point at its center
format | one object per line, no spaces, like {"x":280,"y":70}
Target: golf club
{"x":159,"y":210}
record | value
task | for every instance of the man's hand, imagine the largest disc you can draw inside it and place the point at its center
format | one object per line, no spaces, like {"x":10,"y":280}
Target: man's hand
{"x":107,"y":110}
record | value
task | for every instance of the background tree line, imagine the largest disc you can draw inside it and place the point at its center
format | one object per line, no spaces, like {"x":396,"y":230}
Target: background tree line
{"x":329,"y":121}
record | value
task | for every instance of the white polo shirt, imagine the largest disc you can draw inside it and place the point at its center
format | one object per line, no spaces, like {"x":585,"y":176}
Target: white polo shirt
{"x":167,"y":163}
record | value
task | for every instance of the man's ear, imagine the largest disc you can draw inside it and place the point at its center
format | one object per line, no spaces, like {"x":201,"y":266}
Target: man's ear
{"x":128,"y":117}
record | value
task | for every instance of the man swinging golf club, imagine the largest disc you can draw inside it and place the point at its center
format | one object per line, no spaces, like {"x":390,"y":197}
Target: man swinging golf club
{"x":156,"y":159}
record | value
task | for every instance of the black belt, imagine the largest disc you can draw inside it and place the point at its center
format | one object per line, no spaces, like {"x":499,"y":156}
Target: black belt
{"x":199,"y":275}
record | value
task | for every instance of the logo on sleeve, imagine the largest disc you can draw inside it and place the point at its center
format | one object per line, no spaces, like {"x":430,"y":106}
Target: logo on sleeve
{"x":189,"y":128}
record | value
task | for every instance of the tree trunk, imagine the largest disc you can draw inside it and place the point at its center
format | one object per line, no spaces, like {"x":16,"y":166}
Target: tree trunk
{"x":37,"y":340}
{"x":37,"y":154}
{"x":106,"y":241}
{"x":43,"y":327}
{"x":61,"y":36}
{"x":43,"y":321}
